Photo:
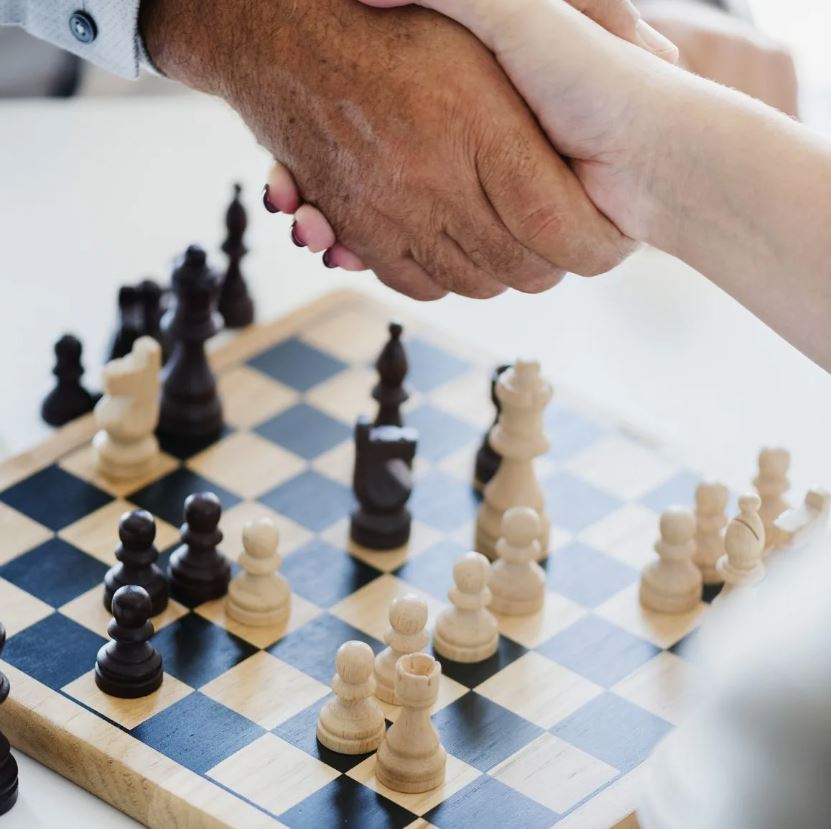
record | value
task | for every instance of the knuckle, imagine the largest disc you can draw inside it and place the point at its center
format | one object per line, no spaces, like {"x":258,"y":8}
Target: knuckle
{"x":545,"y":222}
{"x":540,"y":284}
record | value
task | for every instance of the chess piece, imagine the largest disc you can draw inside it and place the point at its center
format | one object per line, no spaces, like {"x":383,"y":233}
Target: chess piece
{"x":190,"y":407}
{"x":129,"y":666}
{"x":130,"y":322}
{"x":407,"y":634}
{"x":69,"y":399}
{"x":382,"y":482}
{"x":800,"y":526}
{"x":150,"y":296}
{"x":352,"y":722}
{"x":467,"y":631}
{"x":411,"y":757}
{"x":8,"y":765}
{"x":235,"y":303}
{"x":673,"y":584}
{"x":390,"y":391}
{"x":517,"y":582}
{"x":518,"y":437}
{"x":259,"y":595}
{"x":487,"y":458}
{"x":744,"y":544}
{"x":198,"y":572}
{"x":125,"y":446}
{"x":772,"y":483}
{"x":710,"y":519}
{"x":137,"y":557}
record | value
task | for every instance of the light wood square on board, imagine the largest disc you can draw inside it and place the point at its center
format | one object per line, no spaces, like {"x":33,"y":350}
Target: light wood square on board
{"x":337,"y":463}
{"x":468,"y":398}
{"x":539,"y":690}
{"x":532,"y":630}
{"x":458,"y":775}
{"x":97,"y":533}
{"x":19,"y":533}
{"x":614,"y":806}
{"x":291,"y":534}
{"x":250,"y":397}
{"x":273,"y":774}
{"x":627,"y":534}
{"x":265,"y":689}
{"x":81,"y":463}
{"x":19,"y":609}
{"x":246,"y":464}
{"x":128,"y":713}
{"x":554,"y":773}
{"x":346,"y":395}
{"x":356,"y":335}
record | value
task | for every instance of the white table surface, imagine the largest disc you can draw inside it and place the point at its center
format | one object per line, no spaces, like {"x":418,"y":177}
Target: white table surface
{"x":98,"y":192}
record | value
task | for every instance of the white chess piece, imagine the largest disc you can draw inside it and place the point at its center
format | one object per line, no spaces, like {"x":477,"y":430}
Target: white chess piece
{"x":519,"y":436}
{"x":517,"y":582}
{"x":407,"y":634}
{"x":258,"y":594}
{"x":352,"y":722}
{"x":411,"y":757}
{"x":710,"y":520}
{"x":127,"y":415}
{"x":772,"y":483}
{"x":744,"y":543}
{"x":673,"y":584}
{"x":798,"y":527}
{"x":467,"y":631}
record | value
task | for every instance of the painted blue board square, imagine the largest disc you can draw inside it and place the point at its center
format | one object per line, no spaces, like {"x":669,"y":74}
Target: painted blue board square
{"x":569,"y":432}
{"x":197,"y":732}
{"x":679,"y":489}
{"x":613,"y":730}
{"x":304,"y":430}
{"x":471,"y":674}
{"x":311,"y":499}
{"x":297,"y":364}
{"x":431,"y":367}
{"x":439,"y":433}
{"x":574,"y":504}
{"x":586,"y":575}
{"x":443,"y":502}
{"x":432,"y":570}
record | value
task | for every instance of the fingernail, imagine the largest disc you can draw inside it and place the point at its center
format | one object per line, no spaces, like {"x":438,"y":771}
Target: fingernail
{"x":655,"y":42}
{"x":267,"y":202}
{"x":327,"y":259}
{"x":295,"y":236}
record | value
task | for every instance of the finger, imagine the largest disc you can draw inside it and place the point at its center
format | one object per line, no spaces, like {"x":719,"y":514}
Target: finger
{"x":339,"y":256}
{"x":312,"y":228}
{"x":280,"y":195}
{"x":409,"y":278}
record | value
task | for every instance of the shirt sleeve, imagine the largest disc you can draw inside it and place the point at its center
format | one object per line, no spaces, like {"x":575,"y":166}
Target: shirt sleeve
{"x":104,"y":32}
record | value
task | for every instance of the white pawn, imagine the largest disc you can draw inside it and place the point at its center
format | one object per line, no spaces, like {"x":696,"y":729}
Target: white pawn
{"x":517,"y":582}
{"x":127,"y":415}
{"x":259,"y":595}
{"x":407,"y":634}
{"x":710,"y":520}
{"x":772,"y":483}
{"x":673,"y":584}
{"x":467,"y":632}
{"x":352,"y":722}
{"x":411,"y":758}
{"x":744,"y":542}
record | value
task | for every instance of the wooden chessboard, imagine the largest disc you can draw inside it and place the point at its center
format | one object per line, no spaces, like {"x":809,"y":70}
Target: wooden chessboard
{"x":550,"y":731}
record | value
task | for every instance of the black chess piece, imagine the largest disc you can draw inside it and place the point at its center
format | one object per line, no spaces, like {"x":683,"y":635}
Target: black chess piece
{"x":235,"y":302}
{"x":130,"y":322}
{"x":150,"y":298}
{"x":487,"y":458}
{"x":137,"y":558}
{"x":69,"y":399}
{"x":129,"y":666}
{"x":190,"y":407}
{"x":390,"y":391}
{"x":382,"y":483}
{"x":8,"y":765}
{"x":198,"y":572}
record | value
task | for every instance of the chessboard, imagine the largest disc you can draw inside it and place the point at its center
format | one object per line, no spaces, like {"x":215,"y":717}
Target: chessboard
{"x":551,"y":731}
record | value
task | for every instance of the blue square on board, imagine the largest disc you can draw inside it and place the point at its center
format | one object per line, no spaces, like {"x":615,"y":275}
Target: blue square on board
{"x":196,"y":650}
{"x":54,"y":497}
{"x":598,"y":650}
{"x":443,"y":501}
{"x":311,"y":499}
{"x":677,"y":490}
{"x":471,"y":674}
{"x":54,"y":651}
{"x":439,"y":433}
{"x":574,"y":504}
{"x":569,"y":432}
{"x":304,"y":430}
{"x":297,"y":364}
{"x":586,"y":575}
{"x":613,"y":730}
{"x":197,"y":732}
{"x":432,"y":570}
{"x":55,"y":572}
{"x":430,"y":366}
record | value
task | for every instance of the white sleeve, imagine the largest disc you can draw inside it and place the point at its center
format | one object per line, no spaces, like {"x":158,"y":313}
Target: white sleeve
{"x":104,"y":32}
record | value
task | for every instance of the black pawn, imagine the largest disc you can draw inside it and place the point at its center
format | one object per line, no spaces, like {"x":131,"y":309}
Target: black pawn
{"x":198,"y":571}
{"x":130,"y":322}
{"x":235,"y":303}
{"x":382,"y":483}
{"x":190,"y":407}
{"x":390,"y":391}
{"x":129,"y":666}
{"x":8,"y":765}
{"x":69,"y":399}
{"x":487,"y":458}
{"x":137,"y":561}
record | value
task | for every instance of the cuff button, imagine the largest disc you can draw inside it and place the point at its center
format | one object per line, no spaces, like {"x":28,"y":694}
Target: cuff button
{"x":83,"y":27}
